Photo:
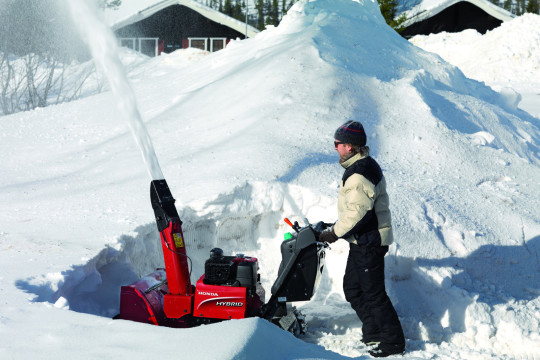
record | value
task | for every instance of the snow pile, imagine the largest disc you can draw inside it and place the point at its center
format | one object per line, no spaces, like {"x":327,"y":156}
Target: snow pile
{"x":244,"y":138}
{"x":506,"y":57}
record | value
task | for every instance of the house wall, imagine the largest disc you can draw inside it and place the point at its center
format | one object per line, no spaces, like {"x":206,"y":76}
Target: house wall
{"x":458,"y":17}
{"x":175,"y":23}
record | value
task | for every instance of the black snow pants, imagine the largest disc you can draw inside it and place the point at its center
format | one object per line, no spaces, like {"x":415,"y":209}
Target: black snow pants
{"x":363,"y":286}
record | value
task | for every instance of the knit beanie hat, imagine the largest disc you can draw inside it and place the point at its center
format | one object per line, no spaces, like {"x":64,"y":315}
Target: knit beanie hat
{"x":351,"y":132}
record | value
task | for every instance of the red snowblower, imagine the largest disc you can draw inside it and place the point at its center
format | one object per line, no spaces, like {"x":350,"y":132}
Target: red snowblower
{"x":230,"y":288}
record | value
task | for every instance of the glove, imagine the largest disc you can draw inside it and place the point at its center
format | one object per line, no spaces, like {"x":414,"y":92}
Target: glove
{"x":328,"y":236}
{"x":321,"y":226}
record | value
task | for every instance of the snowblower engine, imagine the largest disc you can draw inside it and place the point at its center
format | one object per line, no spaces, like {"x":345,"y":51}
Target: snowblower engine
{"x":230,"y":288}
{"x":236,"y":270}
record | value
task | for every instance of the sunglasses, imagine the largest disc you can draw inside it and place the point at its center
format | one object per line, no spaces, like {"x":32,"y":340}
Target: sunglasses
{"x":336,"y":143}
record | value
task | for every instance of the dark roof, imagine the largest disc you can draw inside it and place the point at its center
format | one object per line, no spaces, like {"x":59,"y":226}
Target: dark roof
{"x":205,"y":11}
{"x":434,"y":16}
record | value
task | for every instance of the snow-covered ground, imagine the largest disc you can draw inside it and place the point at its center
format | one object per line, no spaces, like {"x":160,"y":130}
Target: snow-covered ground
{"x":244,"y":138}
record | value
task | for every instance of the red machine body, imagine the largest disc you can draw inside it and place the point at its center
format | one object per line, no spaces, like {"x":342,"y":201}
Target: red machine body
{"x":230,"y":288}
{"x":178,"y":301}
{"x":139,"y":304}
{"x":224,"y":302}
{"x":219,"y":302}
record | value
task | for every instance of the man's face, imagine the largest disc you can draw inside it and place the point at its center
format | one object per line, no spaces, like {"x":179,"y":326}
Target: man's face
{"x":342,"y":149}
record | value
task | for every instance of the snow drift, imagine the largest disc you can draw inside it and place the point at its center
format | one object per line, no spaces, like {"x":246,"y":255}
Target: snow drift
{"x":244,"y":137}
{"x":506,"y":58}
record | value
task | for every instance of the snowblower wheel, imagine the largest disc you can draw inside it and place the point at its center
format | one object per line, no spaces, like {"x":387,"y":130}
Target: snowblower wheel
{"x":294,"y":322}
{"x":299,"y":326}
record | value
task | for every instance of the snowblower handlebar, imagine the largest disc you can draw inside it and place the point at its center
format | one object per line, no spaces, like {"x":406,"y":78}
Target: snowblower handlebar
{"x":295,"y":226}
{"x":317,"y":229}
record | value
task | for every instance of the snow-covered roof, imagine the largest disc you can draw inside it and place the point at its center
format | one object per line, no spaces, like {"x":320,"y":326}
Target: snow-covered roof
{"x":205,"y":11}
{"x":429,"y":8}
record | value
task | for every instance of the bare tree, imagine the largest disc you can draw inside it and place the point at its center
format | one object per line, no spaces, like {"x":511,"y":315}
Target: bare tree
{"x":112,"y":4}
{"x":38,"y":50}
{"x":34,"y":80}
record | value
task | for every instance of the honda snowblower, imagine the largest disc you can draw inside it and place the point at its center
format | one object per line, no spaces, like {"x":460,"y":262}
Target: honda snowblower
{"x":230,"y":288}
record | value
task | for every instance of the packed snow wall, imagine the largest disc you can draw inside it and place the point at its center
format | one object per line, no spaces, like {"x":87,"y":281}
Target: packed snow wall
{"x":249,"y":220}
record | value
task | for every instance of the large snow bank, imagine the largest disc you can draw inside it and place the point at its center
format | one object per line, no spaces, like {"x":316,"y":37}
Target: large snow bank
{"x":506,"y":58}
{"x":244,"y":137}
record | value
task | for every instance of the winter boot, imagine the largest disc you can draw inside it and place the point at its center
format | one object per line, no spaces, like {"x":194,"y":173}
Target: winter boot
{"x":384,"y":350}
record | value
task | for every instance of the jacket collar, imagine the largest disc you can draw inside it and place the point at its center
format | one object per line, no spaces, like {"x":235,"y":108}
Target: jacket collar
{"x":355,"y":158}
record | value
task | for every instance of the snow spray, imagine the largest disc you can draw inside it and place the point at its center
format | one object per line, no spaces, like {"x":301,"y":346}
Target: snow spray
{"x":104,"y":49}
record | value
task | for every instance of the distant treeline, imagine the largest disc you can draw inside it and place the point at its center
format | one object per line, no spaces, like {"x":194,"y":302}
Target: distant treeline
{"x":270,"y":12}
{"x":265,"y":12}
{"x":518,"y":7}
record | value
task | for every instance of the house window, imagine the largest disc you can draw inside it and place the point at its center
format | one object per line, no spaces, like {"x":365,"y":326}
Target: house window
{"x":128,"y":42}
{"x":147,"y":46}
{"x":199,"y":43}
{"x":217,"y":44}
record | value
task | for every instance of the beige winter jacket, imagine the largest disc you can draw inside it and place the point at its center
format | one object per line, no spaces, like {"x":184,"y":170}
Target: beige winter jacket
{"x":363,"y":204}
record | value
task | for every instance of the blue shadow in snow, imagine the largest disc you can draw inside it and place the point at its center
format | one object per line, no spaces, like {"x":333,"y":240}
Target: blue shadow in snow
{"x":306,"y":162}
{"x":493,"y":274}
{"x":497,"y":273}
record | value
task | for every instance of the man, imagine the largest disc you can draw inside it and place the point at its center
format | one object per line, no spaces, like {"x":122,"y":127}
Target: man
{"x":364,"y":221}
